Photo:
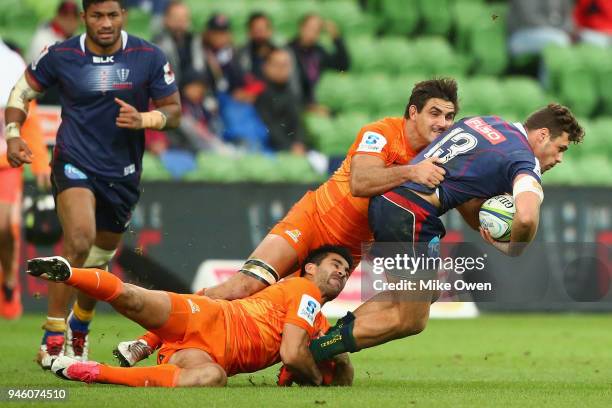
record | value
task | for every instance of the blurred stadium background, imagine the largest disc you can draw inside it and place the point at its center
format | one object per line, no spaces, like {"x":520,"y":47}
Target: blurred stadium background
{"x":198,"y":223}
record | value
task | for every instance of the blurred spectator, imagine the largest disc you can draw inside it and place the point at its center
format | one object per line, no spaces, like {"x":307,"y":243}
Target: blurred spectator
{"x":235,"y":90}
{"x":182,"y":48}
{"x":535,"y":24}
{"x":312,"y":59}
{"x":222,"y":64}
{"x":258,"y":46}
{"x":593,"y":19}
{"x":63,"y":26}
{"x":279,"y":107}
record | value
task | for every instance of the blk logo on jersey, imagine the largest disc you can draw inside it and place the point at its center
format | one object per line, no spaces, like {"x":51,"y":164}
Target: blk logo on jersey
{"x":104,"y":60}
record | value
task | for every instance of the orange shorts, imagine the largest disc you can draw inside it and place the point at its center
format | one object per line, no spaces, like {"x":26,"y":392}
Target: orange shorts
{"x":195,"y":322}
{"x":11,"y":182}
{"x":303,"y":229}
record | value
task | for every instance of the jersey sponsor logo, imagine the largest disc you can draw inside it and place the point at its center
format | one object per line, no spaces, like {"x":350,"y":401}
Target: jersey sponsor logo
{"x":104,"y":60}
{"x":194,"y":308}
{"x":44,"y":52}
{"x":73,"y":173}
{"x":309,"y":308}
{"x":482,"y":127}
{"x":372,"y":142}
{"x":294,"y":234}
{"x":123,"y":74}
{"x":168,"y":74}
{"x":129,"y":169}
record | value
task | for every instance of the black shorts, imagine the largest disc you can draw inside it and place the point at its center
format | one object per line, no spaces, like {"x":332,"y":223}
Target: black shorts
{"x":401,"y":216}
{"x":115,"y":200}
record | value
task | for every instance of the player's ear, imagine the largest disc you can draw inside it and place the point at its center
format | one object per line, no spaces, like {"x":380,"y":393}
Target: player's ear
{"x":412,"y":111}
{"x":311,"y":269}
{"x":544,"y":134}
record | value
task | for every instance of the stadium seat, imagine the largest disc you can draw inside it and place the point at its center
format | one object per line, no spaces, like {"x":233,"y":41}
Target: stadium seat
{"x":153,"y":169}
{"x":523,"y":96}
{"x":399,"y":16}
{"x":483,"y":96}
{"x":349,"y":17}
{"x":365,"y":56}
{"x":438,"y":58}
{"x":337,"y":91}
{"x":215,"y":168}
{"x":296,"y":169}
{"x":138,"y":23}
{"x":258,"y":168}
{"x":435,"y":16}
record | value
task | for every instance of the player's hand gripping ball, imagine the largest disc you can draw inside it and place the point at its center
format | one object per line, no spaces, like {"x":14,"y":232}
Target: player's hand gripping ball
{"x":496,"y":216}
{"x":327,"y":368}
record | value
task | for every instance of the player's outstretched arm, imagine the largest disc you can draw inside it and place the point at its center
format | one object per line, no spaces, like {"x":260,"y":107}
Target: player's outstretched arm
{"x":167,"y":114}
{"x":296,"y":356}
{"x":370,"y":177}
{"x":17,"y":150}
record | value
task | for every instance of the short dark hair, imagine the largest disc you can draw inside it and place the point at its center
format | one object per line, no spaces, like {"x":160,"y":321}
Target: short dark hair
{"x":558,"y":119}
{"x":441,"y":88}
{"x":316,"y":256}
{"x":87,"y":3}
{"x":256,"y":15}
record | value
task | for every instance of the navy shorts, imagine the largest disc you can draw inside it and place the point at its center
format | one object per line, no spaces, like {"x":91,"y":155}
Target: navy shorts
{"x":400,"y":216}
{"x":115,"y":200}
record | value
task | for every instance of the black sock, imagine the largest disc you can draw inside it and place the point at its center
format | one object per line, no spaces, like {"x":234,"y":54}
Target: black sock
{"x":8,"y":292}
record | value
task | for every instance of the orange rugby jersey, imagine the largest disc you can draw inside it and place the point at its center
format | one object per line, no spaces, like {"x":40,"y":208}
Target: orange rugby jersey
{"x":345,"y":216}
{"x":254,"y":325}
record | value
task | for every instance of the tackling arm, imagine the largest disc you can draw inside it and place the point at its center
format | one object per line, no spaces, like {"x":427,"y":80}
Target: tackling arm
{"x":296,"y":356}
{"x":370,"y":177}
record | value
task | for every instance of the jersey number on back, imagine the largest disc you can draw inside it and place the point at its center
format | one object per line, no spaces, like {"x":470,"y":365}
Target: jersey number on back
{"x":455,"y":143}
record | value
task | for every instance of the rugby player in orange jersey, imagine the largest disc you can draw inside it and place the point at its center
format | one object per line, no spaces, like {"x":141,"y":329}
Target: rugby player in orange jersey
{"x":337,"y":212}
{"x":206,"y":340}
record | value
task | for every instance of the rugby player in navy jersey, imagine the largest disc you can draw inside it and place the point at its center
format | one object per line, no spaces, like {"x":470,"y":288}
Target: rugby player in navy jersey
{"x":483,"y":157}
{"x":106,"y":80}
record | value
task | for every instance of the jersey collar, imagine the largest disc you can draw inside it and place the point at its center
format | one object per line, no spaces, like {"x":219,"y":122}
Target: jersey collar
{"x":520,"y":127}
{"x":124,"y":40}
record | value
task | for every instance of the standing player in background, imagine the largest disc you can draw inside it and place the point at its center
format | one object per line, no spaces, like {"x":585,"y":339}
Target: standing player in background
{"x":337,"y":212}
{"x":207,"y":340}
{"x":106,"y":79}
{"x":11,"y":182}
{"x":483,"y":157}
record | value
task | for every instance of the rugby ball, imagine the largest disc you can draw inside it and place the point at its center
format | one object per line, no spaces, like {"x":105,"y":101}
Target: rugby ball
{"x":496,"y":216}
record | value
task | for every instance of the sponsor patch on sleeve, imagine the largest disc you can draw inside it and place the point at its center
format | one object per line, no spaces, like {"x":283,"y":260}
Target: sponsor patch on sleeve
{"x":168,"y":74}
{"x":309,"y":308}
{"x":372,"y":142}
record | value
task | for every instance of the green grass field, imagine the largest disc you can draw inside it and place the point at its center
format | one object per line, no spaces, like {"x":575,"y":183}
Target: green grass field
{"x":492,"y":361}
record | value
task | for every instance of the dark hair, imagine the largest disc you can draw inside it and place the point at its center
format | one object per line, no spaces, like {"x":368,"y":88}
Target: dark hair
{"x":256,"y":15}
{"x":171,"y":4}
{"x":558,"y":119}
{"x":441,"y":88}
{"x":307,"y":17}
{"x":317,"y":256}
{"x":87,"y":3}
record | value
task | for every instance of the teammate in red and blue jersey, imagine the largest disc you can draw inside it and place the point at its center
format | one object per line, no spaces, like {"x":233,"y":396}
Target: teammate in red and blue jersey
{"x":106,"y":79}
{"x":482,"y":157}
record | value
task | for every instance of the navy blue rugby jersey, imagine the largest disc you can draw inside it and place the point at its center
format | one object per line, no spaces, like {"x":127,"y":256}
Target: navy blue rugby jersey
{"x":482,"y":155}
{"x":88,"y":84}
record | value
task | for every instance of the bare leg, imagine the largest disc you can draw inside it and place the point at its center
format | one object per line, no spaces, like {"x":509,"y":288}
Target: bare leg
{"x":198,"y":369}
{"x":273,"y":250}
{"x":76,"y":212}
{"x":7,"y":245}
{"x":389,"y":316}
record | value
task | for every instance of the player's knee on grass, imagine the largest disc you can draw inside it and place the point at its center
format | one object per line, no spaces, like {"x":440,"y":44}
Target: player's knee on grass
{"x":211,"y":375}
